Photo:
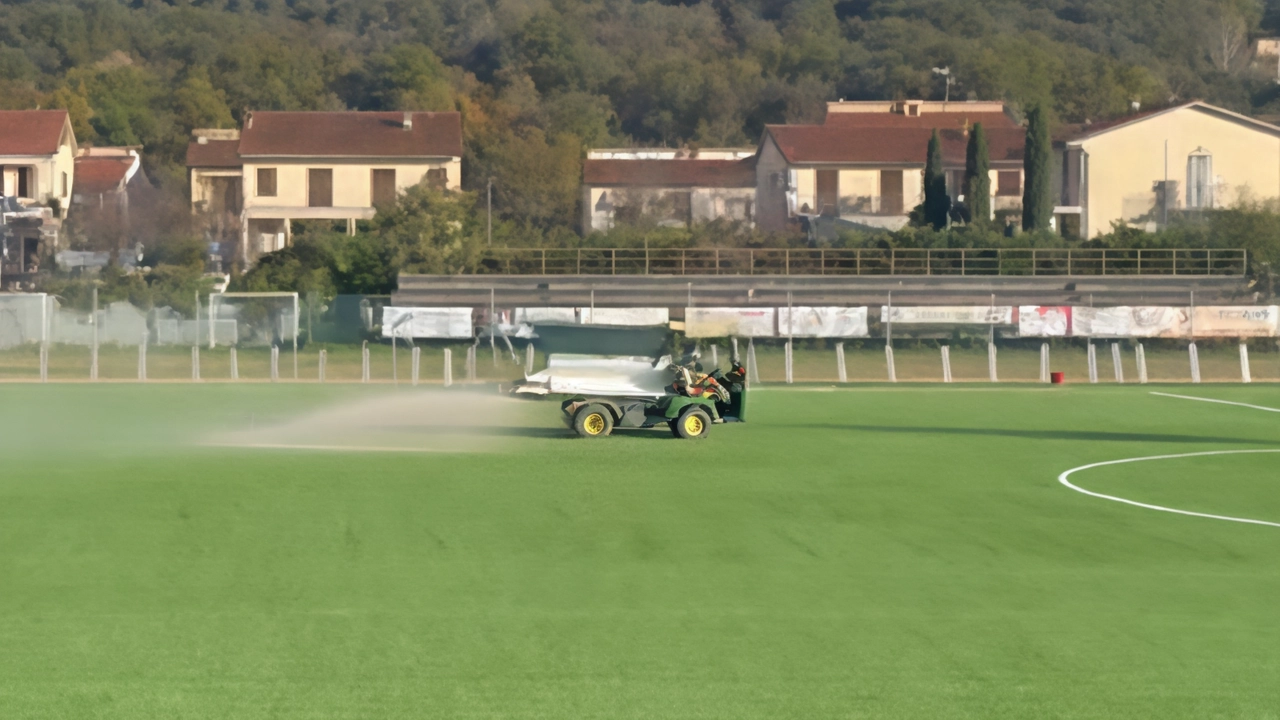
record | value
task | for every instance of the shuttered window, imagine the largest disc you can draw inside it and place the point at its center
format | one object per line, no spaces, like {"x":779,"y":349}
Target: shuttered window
{"x":320,"y":187}
{"x":266,"y":182}
{"x":1009,"y":182}
{"x":438,"y":178}
{"x":384,"y":187}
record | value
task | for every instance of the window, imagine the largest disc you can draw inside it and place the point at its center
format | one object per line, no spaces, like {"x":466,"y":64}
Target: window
{"x":384,"y":187}
{"x":438,"y":178}
{"x":1199,"y":179}
{"x":66,"y":185}
{"x":266,"y":182}
{"x":320,"y":187}
{"x":1009,"y":183}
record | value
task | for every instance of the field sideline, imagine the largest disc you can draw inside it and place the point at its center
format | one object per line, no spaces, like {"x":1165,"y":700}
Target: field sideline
{"x":863,"y":552}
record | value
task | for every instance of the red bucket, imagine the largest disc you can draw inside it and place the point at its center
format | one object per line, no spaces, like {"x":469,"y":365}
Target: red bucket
{"x":1057,"y":378}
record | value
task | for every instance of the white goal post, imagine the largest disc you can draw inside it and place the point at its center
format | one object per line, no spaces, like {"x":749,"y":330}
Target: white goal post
{"x":279,"y":321}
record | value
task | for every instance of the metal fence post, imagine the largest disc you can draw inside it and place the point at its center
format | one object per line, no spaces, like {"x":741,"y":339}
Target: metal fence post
{"x":1115,"y":361}
{"x":448,"y":367}
{"x":1140,"y":354}
{"x":324,"y":358}
{"x":946,"y":363}
{"x":142,"y":358}
{"x":235,"y":365}
{"x":415,"y":363}
{"x":275,"y":363}
{"x":841,"y":372}
{"x":44,"y":362}
{"x":195,"y":362}
{"x":1245,"y":375}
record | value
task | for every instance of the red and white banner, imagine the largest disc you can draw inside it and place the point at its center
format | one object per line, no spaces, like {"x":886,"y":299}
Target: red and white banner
{"x":1044,"y":320}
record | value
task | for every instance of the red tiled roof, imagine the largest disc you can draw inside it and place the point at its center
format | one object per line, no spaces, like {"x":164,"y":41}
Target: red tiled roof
{"x":928,"y":120}
{"x":31,"y":132}
{"x":351,"y":134}
{"x":840,"y":142}
{"x":96,"y":175}
{"x":214,"y":154}
{"x":687,"y":172}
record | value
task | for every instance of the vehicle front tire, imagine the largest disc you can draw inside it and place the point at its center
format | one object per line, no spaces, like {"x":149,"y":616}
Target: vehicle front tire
{"x":693,"y":424}
{"x":593,"y":421}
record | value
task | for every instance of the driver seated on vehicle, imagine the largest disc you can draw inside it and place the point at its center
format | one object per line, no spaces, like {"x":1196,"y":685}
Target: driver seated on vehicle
{"x":697,"y":383}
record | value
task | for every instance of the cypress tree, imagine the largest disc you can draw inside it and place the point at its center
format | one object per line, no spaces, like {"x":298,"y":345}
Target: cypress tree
{"x":977,"y":178}
{"x":1037,"y":192}
{"x":936,"y":201}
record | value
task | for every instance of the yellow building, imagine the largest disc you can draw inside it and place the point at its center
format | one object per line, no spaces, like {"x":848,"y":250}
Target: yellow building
{"x":37,"y":156}
{"x":337,"y":166}
{"x":1147,"y":169}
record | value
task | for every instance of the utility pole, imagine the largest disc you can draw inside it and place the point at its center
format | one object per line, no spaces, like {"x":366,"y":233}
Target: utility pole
{"x":945,"y":72}
{"x":488,"y":225}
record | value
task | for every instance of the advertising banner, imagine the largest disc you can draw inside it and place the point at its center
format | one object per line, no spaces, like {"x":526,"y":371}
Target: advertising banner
{"x":949,"y":315}
{"x":629,"y":317}
{"x":427,"y":322}
{"x":1135,"y":322}
{"x":822,"y":322}
{"x":1044,"y":320}
{"x":1235,"y":321}
{"x":730,"y":322}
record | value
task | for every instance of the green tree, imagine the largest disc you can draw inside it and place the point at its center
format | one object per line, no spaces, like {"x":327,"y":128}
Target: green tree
{"x":936,"y":201}
{"x":977,"y":178}
{"x":198,"y":104}
{"x":1037,"y":193}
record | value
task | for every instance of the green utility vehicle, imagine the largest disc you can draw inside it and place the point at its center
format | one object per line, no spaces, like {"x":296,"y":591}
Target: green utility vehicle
{"x":692,"y":404}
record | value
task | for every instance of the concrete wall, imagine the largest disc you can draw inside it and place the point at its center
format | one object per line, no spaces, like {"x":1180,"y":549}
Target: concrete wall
{"x":705,"y":204}
{"x":771,"y":195}
{"x":352,"y":179}
{"x":1126,"y":162}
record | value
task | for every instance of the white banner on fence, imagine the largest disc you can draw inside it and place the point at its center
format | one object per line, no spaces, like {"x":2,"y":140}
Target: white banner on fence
{"x":427,"y":322}
{"x":833,"y":322}
{"x":730,"y":322}
{"x":1044,"y":321}
{"x":1137,"y":322}
{"x":627,"y":317}
{"x":949,"y":315}
{"x":1236,"y":321}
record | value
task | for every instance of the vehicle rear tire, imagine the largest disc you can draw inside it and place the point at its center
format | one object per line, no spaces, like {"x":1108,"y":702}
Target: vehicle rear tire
{"x":593,"y":421}
{"x":672,"y":425}
{"x":693,"y":424}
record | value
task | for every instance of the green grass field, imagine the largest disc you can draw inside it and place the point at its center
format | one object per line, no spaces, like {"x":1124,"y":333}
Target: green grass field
{"x":874,"y":552}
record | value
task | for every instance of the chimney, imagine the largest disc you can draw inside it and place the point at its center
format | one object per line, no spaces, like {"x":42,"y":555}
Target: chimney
{"x":248,"y":120}
{"x":408,"y":121}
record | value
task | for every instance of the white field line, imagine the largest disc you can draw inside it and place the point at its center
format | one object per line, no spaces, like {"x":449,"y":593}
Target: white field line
{"x":334,"y":448}
{"x":1215,"y":400}
{"x":1063,"y":478}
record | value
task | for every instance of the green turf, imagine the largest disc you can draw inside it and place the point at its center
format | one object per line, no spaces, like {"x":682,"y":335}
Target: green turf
{"x":879,"y":552}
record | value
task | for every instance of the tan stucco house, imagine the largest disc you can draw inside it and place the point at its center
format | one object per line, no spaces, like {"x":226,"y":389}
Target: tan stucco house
{"x":1147,"y":168}
{"x":667,"y":187}
{"x":320,"y":166}
{"x":37,"y":157}
{"x":865,"y":162}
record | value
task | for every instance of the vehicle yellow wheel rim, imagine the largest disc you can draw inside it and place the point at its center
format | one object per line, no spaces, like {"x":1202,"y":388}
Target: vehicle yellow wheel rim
{"x":693,"y":424}
{"x":594,"y":424}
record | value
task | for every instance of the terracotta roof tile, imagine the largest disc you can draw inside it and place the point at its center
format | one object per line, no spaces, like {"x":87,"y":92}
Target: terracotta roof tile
{"x":686,"y":172}
{"x":841,"y":142}
{"x":214,"y":154}
{"x":31,"y":132}
{"x":101,"y":174}
{"x":351,"y":134}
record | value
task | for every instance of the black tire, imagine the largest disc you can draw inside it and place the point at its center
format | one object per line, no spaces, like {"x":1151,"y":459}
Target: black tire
{"x":671,"y":425}
{"x":593,"y":421}
{"x":693,"y":424}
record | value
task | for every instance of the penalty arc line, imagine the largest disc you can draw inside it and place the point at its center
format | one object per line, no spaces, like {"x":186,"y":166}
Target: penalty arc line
{"x":1215,"y":400}
{"x":1064,"y":479}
